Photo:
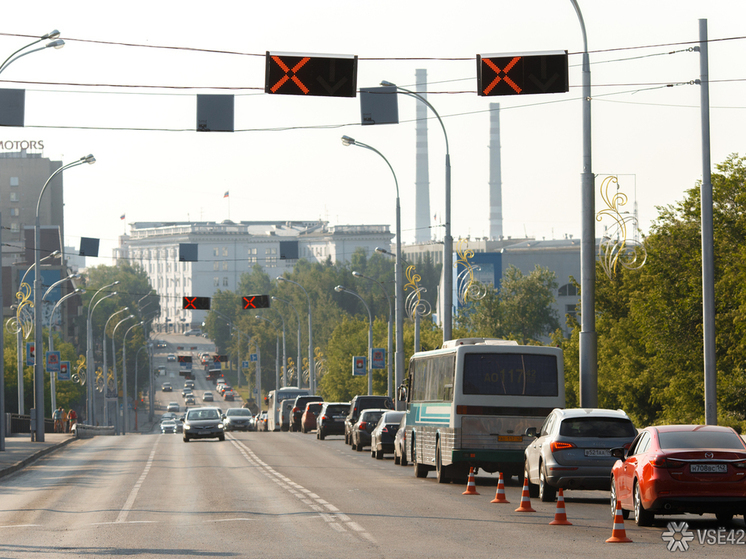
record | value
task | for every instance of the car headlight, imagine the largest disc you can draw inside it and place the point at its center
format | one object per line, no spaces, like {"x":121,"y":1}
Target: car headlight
{"x":221,"y":426}
{"x":187,"y":426}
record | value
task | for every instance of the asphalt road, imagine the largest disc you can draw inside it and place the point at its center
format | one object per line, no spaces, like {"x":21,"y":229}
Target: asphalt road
{"x":286,"y":495}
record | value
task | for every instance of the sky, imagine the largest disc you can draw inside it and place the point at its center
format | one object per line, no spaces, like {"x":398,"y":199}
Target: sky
{"x":124,"y":89}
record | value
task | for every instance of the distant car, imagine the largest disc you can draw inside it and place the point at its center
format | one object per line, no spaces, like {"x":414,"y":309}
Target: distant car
{"x":676,"y":469}
{"x":171,"y":358}
{"x":360,"y":403}
{"x":168,"y":416}
{"x":168,"y":426}
{"x":299,"y":406}
{"x":237,"y":419}
{"x":331,"y":419}
{"x":229,"y":396}
{"x":189,"y":384}
{"x":193,"y":332}
{"x":185,"y":391}
{"x":203,"y":423}
{"x":160,"y":344}
{"x":382,"y":437}
{"x":166,"y":387}
{"x":172,"y":406}
{"x":208,"y":397}
{"x":308,"y":419}
{"x":362,"y":430}
{"x":400,"y":443}
{"x":161,"y":370}
{"x":573,"y":450}
{"x":189,"y":400}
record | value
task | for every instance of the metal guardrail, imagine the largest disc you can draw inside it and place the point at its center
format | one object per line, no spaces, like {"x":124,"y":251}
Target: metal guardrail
{"x":22,"y":424}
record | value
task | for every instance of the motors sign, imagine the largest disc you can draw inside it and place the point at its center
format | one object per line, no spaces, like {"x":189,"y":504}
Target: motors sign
{"x":21,"y":145}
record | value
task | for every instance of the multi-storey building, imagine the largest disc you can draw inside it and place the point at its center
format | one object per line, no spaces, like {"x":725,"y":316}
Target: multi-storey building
{"x":227,"y":250}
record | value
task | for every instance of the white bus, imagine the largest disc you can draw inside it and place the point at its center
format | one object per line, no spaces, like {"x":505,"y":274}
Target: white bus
{"x":274,"y":405}
{"x":470,"y":403}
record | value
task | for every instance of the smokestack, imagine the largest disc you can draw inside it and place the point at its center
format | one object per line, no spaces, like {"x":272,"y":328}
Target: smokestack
{"x":496,"y":195}
{"x":422,"y":232}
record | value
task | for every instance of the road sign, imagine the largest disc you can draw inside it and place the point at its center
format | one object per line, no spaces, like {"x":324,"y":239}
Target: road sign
{"x":53,"y":361}
{"x":255,"y":302}
{"x":64,"y":373}
{"x":244,"y":364}
{"x":522,"y":74}
{"x":378,"y":358}
{"x":254,"y":357}
{"x":30,"y":354}
{"x":311,"y":74}
{"x":359,"y":366}
{"x":196,"y":303}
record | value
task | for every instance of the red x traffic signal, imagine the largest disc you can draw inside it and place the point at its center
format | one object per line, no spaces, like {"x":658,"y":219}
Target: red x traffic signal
{"x":256,"y":302}
{"x":522,"y":74}
{"x":196,"y":303}
{"x":309,"y":74}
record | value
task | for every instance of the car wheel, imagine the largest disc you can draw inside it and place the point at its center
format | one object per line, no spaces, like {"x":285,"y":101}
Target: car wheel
{"x":359,"y":447}
{"x":612,"y":500}
{"x":321,"y":434}
{"x":547,"y":493}
{"x":724,"y":517}
{"x":186,"y":439}
{"x":396,"y":458}
{"x":303,"y":430}
{"x":533,"y":490}
{"x":221,"y":437}
{"x":379,"y":455}
{"x":403,"y":457}
{"x":372,"y":452}
{"x":642,"y":516}
{"x":441,"y":472}
{"x":347,"y":438}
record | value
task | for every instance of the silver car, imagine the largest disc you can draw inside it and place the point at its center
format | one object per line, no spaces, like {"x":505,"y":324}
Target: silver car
{"x":573,"y":450}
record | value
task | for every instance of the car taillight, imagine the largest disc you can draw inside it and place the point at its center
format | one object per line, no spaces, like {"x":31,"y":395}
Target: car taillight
{"x":558,"y":445}
{"x":363,"y":425}
{"x":385,"y":430}
{"x":295,"y":410}
{"x":628,"y":445}
{"x":324,"y":418}
{"x":661,"y":461}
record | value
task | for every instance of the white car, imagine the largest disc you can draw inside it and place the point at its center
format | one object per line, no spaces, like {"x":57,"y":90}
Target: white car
{"x":208,"y":397}
{"x":173,"y":406}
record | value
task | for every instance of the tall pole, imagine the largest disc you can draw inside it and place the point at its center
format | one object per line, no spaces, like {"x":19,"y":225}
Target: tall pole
{"x":708,"y":260}
{"x":342,"y":289}
{"x":117,"y":428}
{"x":311,"y":363}
{"x":588,"y":338}
{"x":258,"y":382}
{"x":106,"y":372}
{"x":390,"y":328}
{"x":38,"y":343}
{"x":298,"y":367}
{"x":90,"y":365}
{"x":124,"y":377}
{"x":52,"y":376}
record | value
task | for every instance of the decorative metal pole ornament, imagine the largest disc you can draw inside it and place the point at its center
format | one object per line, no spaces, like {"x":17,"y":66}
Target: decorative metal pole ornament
{"x":467,"y":285}
{"x":615,"y":248}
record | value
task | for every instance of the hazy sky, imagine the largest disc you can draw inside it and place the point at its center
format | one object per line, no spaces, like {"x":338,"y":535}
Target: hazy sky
{"x":112,"y":93}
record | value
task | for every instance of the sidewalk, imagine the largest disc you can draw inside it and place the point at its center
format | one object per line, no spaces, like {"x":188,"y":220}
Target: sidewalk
{"x":20,"y":451}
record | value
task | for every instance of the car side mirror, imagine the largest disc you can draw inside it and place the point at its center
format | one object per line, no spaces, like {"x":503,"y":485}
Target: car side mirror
{"x":531,"y":432}
{"x":181,"y":419}
{"x":618,"y":453}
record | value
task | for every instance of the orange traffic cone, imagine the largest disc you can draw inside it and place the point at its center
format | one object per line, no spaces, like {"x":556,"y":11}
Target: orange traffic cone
{"x":525,"y":499}
{"x":560,"y":518}
{"x":618,"y":534}
{"x":471,"y":486}
{"x":500,"y":495}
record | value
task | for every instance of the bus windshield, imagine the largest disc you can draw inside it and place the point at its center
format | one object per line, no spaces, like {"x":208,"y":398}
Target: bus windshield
{"x":510,"y":374}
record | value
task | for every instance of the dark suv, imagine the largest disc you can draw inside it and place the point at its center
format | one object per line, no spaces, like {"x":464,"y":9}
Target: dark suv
{"x":299,"y":406}
{"x":360,"y":403}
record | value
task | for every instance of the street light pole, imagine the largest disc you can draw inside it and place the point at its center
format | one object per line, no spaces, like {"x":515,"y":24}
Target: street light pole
{"x":312,"y":372}
{"x":90,"y":368}
{"x":298,"y":368}
{"x":359,"y":275}
{"x":38,"y":368}
{"x":447,"y":238}
{"x":398,"y":275}
{"x":106,"y":372}
{"x":117,"y":430}
{"x":342,"y":289}
{"x":277,"y":353}
{"x":52,"y":377}
{"x":124,"y":376}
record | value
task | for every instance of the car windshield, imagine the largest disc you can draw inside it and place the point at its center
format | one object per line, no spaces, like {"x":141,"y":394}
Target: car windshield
{"x":371,"y":417}
{"x":202,"y":414}
{"x":394,"y":416}
{"x":342,"y":408}
{"x":700,"y":439}
{"x":238,"y":411}
{"x":597,"y":427}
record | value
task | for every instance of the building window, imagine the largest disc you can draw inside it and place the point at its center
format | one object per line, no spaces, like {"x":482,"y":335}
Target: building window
{"x":571,"y":312}
{"x":225,"y":251}
{"x":252,"y":260}
{"x":15,"y":212}
{"x":216,"y":265}
{"x":216,"y":251}
{"x":271,"y":261}
{"x":13,"y":181}
{"x":225,"y":265}
{"x":568,"y":290}
{"x":14,"y":196}
{"x":216,"y":282}
{"x":225,"y":282}
{"x":15,"y":227}
{"x":253,"y":250}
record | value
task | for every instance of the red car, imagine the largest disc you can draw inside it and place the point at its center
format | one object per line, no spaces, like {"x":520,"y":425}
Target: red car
{"x":675,"y":469}
{"x":308,"y":419}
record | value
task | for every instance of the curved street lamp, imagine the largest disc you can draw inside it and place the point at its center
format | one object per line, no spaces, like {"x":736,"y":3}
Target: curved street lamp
{"x":342,"y":289}
{"x":38,"y":369}
{"x":55,"y":43}
{"x":312,"y":372}
{"x":117,"y":430}
{"x":298,"y":366}
{"x":124,"y":376}
{"x":277,"y":353}
{"x":90,"y":392}
{"x":106,"y":370}
{"x":52,"y":376}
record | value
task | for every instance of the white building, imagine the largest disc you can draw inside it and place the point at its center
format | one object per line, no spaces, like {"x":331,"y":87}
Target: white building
{"x":226,"y":250}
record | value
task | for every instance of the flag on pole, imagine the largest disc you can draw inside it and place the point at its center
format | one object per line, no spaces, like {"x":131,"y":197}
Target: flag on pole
{"x":122,"y":217}
{"x":226,"y":194}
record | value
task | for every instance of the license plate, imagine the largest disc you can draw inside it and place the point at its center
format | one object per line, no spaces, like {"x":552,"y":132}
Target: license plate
{"x":597,"y":452}
{"x":510,"y":438}
{"x":708,"y":468}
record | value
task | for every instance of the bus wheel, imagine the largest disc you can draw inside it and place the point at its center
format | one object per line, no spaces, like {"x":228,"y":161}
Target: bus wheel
{"x":419,"y":469}
{"x":442,"y":472}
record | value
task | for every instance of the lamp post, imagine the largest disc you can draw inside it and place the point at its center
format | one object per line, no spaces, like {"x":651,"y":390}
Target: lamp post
{"x":137,"y":355}
{"x":359,"y":275}
{"x":89,"y":349}
{"x":38,"y":369}
{"x":124,"y":376}
{"x":24,"y":325}
{"x":312,"y":372}
{"x":447,"y":239}
{"x":398,"y":276}
{"x":52,"y":377}
{"x":55,"y":43}
{"x":342,"y":289}
{"x":284,"y":353}
{"x":298,"y":367}
{"x":277,"y":353}
{"x":117,"y":430}
{"x":106,"y":372}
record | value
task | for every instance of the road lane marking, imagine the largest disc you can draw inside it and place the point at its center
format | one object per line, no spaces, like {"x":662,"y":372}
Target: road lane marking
{"x":312,"y":500}
{"x":136,"y":489}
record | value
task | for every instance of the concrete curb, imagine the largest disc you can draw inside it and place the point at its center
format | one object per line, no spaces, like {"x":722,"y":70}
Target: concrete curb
{"x":34,"y":457}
